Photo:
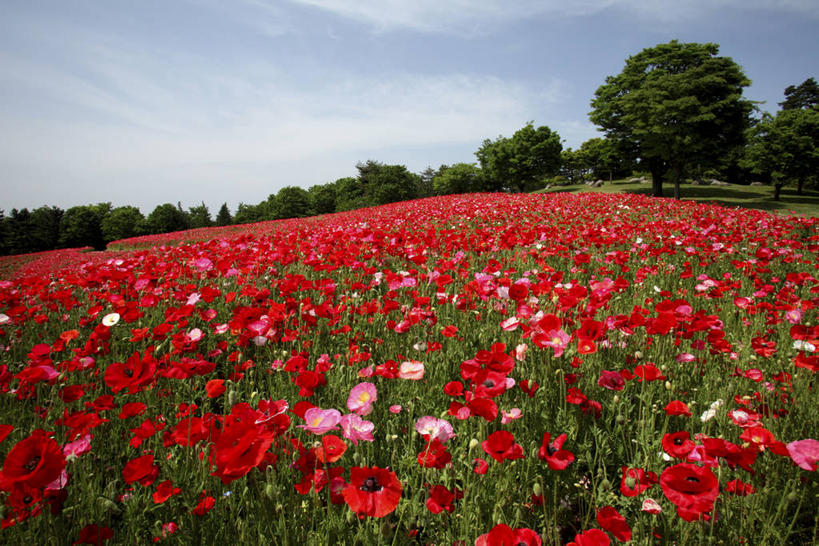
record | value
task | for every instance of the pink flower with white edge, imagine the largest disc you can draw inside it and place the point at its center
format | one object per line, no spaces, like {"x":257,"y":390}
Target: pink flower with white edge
{"x":412,"y":369}
{"x":320,"y":420}
{"x":434,"y":428}
{"x":651,"y":506}
{"x":354,"y":428}
{"x":396,"y":408}
{"x":511,"y":415}
{"x":361,"y":398}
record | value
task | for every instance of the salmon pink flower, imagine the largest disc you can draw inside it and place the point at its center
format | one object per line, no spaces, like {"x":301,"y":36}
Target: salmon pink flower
{"x":361,"y":398}
{"x":411,"y":369}
{"x":320,"y":420}
{"x":372,"y":491}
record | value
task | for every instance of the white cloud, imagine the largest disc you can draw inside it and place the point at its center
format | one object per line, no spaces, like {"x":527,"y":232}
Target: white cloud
{"x":178,"y":128}
{"x":477,"y":17}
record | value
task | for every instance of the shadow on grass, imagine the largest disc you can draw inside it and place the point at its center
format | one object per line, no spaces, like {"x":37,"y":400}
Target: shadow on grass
{"x":732,"y":196}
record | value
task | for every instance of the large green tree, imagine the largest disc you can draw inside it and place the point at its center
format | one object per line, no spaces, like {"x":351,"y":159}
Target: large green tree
{"x":384,"y":184}
{"x":322,"y":198}
{"x":786,"y":147}
{"x":290,"y":202}
{"x":521,"y":161}
{"x":82,"y":226}
{"x":199,"y":216}
{"x":804,"y":95}
{"x":166,"y":218}
{"x":459,"y":178}
{"x":122,"y":223}
{"x":679,"y":104}
{"x":223,"y":217}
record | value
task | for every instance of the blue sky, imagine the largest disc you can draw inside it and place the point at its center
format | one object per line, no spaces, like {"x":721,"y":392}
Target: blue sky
{"x":218,"y":101}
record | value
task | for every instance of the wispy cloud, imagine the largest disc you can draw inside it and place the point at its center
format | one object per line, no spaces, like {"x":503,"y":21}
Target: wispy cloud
{"x":470,"y":17}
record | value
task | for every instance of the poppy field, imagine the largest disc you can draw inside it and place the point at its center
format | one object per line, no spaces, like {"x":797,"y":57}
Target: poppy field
{"x":498,"y":369}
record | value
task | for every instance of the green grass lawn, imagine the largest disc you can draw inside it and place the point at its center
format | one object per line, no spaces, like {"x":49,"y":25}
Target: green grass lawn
{"x":752,"y":197}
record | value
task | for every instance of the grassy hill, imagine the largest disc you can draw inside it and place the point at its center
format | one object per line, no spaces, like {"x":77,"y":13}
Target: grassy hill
{"x":751,"y":197}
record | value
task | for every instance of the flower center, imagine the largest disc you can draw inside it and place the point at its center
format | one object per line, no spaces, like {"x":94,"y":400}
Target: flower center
{"x":371,"y":485}
{"x":129,"y":372}
{"x":32,"y":463}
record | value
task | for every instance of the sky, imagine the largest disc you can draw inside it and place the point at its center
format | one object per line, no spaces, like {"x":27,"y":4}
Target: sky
{"x":227,"y":101}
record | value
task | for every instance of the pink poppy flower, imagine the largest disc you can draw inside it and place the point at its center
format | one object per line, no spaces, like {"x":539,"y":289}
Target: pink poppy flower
{"x":511,"y":415}
{"x":411,"y":369}
{"x":355,"y":428}
{"x":434,"y":428}
{"x":320,"y":420}
{"x":805,"y":453}
{"x":361,"y":398}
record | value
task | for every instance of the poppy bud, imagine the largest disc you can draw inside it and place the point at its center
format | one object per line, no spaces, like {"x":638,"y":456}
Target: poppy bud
{"x":638,"y":355}
{"x":616,"y":399}
{"x":619,"y":419}
{"x":630,"y":482}
{"x":473,"y":443}
{"x":668,"y":385}
{"x":605,"y":484}
{"x":269,"y":491}
{"x":537,"y":489}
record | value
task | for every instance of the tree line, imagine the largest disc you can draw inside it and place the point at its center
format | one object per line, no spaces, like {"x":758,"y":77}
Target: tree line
{"x":675,"y":111}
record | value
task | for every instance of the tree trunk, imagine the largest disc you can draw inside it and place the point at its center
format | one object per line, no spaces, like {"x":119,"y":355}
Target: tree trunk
{"x":777,"y":188}
{"x":656,"y":181}
{"x":799,"y":184}
{"x":677,"y":178}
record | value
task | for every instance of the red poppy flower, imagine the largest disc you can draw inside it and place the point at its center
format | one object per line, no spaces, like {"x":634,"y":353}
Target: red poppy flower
{"x":611,"y":380}
{"x":610,"y":520}
{"x":134,"y":374}
{"x":205,"y":505}
{"x":35,"y":461}
{"x":372,"y":491}
{"x":678,"y":444}
{"x":94,"y":534}
{"x":501,"y":445}
{"x":331,"y":450}
{"x":479,"y":466}
{"x":434,"y":455}
{"x":635,"y":481}
{"x":692,"y":489}
{"x":555,"y":457}
{"x":215,"y":388}
{"x":739,"y":488}
{"x":592,"y":537}
{"x":675,"y":407}
{"x":441,"y":498}
{"x":503,"y":535}
{"x":142,"y":470}
{"x":165,"y":491}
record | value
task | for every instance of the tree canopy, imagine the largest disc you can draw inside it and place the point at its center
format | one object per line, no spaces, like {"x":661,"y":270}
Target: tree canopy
{"x":679,"y":104}
{"x":523,"y":160}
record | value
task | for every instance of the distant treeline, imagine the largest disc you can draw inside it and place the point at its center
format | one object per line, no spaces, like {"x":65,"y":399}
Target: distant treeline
{"x":705,"y":130}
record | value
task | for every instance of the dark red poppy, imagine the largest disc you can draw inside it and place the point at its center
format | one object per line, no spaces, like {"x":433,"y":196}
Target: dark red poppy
{"x":35,"y":461}
{"x":611,"y":380}
{"x":94,"y":534}
{"x":205,"y":505}
{"x":165,"y":491}
{"x":675,"y":407}
{"x":693,"y":489}
{"x":372,"y":491}
{"x":556,"y":457}
{"x":501,"y":446}
{"x":610,"y":520}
